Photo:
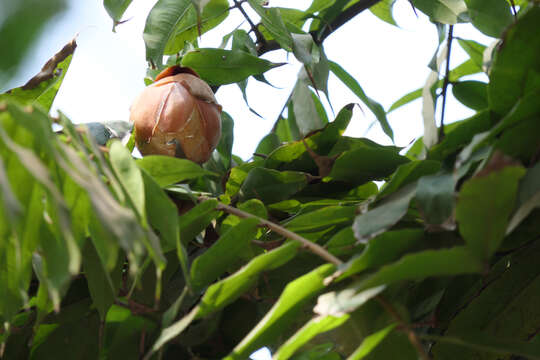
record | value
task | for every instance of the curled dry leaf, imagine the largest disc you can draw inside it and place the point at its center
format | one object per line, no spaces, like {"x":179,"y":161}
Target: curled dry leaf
{"x":497,"y":162}
{"x":48,"y":70}
{"x":177,"y":116}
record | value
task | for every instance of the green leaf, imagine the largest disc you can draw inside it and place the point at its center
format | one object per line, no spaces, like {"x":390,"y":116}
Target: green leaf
{"x":224,"y":147}
{"x":407,"y":173}
{"x":167,"y":170}
{"x":461,"y":135}
{"x":268,"y":144}
{"x":468,"y":67}
{"x":171,"y":332}
{"x":118,"y":222}
{"x":526,"y":130}
{"x":216,"y":260}
{"x":272,"y":186}
{"x":242,"y":41}
{"x":383,"y":10}
{"x":372,"y":105}
{"x":305,"y":112}
{"x":338,"y":303}
{"x":365,"y":164}
{"x":78,"y":335}
{"x":218,"y":66}
{"x":322,"y":219}
{"x":443,"y":11}
{"x":44,"y":86}
{"x":528,"y":197}
{"x":506,"y":323}
{"x":343,"y":243}
{"x":11,"y":204}
{"x":474,"y":50}
{"x":57,"y":208}
{"x":484,"y":207}
{"x":445,"y":262}
{"x":55,"y":259}
{"x":314,"y":327}
{"x":253,"y":207}
{"x":226,"y":291}
{"x":100,"y":284}
{"x":116,"y":9}
{"x":380,"y":250}
{"x":286,"y":128}
{"x":304,"y":49}
{"x":291,"y":301}
{"x":490,"y":18}
{"x":436,"y":199}
{"x":187,"y":28}
{"x":320,"y":142}
{"x":370,"y":342}
{"x":488,"y":344}
{"x":319,"y":352}
{"x":472,"y":94}
{"x":21,"y":26}
{"x":123,"y":331}
{"x":384,"y":216}
{"x":104,"y":242}
{"x":316,"y":74}
{"x":405,"y":99}
{"x":238,"y":175}
{"x":514,"y":66}
{"x":161,"y":25}
{"x":196,"y":220}
{"x":271,"y":19}
{"x":163,"y":218}
{"x":322,"y":22}
{"x":129,"y":175}
{"x":229,"y":289}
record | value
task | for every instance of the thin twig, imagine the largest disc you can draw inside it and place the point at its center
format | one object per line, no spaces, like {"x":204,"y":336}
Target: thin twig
{"x":260,"y":38}
{"x":446,"y":79}
{"x":264,"y":156}
{"x":311,"y":246}
{"x":413,"y":338}
{"x":339,"y":21}
{"x":514,"y":12}
{"x":271,"y":45}
{"x":142,"y":343}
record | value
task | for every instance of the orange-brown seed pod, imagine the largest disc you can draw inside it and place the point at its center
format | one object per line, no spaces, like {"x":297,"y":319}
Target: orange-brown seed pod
{"x":178,"y":116}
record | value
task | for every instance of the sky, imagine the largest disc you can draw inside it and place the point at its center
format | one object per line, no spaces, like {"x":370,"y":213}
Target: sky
{"x":107,"y":70}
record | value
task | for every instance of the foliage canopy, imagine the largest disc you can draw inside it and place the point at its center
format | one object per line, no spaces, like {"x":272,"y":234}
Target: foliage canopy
{"x":297,"y":249}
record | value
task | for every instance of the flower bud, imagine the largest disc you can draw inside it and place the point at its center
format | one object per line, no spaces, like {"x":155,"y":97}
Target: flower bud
{"x":177,"y":116}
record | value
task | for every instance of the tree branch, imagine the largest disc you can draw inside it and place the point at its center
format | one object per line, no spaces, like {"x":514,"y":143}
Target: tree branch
{"x":413,"y":338}
{"x":514,"y":12}
{"x":311,"y":246}
{"x":254,"y":28}
{"x":339,"y":21}
{"x":267,"y":46}
{"x":446,"y":79}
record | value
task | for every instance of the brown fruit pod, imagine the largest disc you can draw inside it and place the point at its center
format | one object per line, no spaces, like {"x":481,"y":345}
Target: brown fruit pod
{"x":177,"y":115}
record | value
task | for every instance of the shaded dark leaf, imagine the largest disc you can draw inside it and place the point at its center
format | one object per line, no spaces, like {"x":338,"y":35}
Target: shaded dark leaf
{"x":384,"y":216}
{"x":364,"y":164}
{"x":216,"y":260}
{"x":471,"y":93}
{"x":515,"y":69}
{"x":272,"y":186}
{"x":484,"y":207}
